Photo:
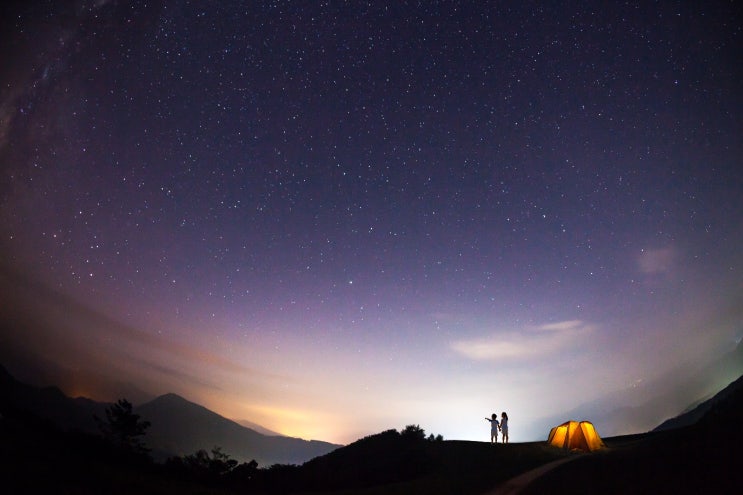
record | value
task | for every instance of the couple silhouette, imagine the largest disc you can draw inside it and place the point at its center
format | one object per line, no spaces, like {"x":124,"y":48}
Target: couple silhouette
{"x":496,"y":426}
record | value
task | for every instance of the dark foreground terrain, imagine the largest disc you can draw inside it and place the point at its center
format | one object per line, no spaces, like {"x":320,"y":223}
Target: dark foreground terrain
{"x":701,"y":458}
{"x":689,"y":460}
{"x":38,"y":457}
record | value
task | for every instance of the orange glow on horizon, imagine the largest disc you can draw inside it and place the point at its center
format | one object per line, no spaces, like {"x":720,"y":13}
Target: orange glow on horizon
{"x":297,"y":423}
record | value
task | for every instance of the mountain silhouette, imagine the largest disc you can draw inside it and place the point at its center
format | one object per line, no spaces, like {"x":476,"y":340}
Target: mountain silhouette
{"x":49,"y":403}
{"x":723,"y":400}
{"x":182,"y":427}
{"x":256,"y":427}
{"x":178,"y":426}
{"x":615,"y":414}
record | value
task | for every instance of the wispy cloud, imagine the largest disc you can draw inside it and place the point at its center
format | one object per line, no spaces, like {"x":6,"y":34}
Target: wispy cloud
{"x":59,"y":325}
{"x":493,"y":348}
{"x":530,"y":342}
{"x":562,"y":325}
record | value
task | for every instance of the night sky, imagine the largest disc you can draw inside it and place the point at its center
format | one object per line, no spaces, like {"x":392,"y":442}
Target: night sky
{"x":337,"y":218}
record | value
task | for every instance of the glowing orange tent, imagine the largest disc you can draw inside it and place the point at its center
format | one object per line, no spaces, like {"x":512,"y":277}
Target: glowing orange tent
{"x":574,"y":435}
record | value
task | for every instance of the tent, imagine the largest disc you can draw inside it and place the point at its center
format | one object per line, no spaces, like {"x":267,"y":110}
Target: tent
{"x":574,"y":435}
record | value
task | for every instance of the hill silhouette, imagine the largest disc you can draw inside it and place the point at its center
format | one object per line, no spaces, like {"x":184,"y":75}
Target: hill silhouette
{"x":182,"y":427}
{"x":256,"y":427}
{"x":397,"y":463}
{"x":696,"y":412}
{"x":179,"y":427}
{"x":697,"y":458}
{"x":49,"y":403}
{"x":638,"y":409}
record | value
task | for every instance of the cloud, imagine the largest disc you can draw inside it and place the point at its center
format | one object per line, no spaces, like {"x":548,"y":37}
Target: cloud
{"x":61,"y":329}
{"x":531,"y":342}
{"x":492,"y":348}
{"x":656,"y":261}
{"x":562,"y":325}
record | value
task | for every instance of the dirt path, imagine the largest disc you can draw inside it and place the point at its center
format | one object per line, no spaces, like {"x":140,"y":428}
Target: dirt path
{"x":515,"y":485}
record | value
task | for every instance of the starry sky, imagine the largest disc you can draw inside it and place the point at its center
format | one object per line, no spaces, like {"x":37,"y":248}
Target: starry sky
{"x":335,"y":218}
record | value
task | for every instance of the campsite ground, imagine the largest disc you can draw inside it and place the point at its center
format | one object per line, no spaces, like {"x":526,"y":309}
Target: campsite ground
{"x":467,"y":467}
{"x":516,"y":485}
{"x":679,"y":461}
{"x":483,"y":468}
{"x":689,"y":460}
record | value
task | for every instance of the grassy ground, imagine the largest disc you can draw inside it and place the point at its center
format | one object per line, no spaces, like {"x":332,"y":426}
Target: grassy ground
{"x":679,"y":462}
{"x":463,"y":467}
{"x":36,"y":458}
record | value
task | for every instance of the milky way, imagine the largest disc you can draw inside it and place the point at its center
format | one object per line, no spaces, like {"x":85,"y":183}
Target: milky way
{"x":334,"y":219}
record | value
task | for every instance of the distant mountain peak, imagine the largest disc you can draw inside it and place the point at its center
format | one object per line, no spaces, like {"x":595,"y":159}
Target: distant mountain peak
{"x":256,"y":427}
{"x":171,"y":400}
{"x":170,"y":397}
{"x":701,"y":410}
{"x":181,"y":427}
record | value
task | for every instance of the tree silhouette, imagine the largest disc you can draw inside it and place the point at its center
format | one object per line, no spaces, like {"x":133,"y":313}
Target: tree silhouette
{"x":413,"y":432}
{"x":124,"y":428}
{"x":205,"y":466}
{"x":218,"y":464}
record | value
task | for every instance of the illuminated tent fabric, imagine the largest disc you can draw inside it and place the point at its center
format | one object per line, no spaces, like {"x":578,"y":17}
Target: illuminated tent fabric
{"x":573,"y":435}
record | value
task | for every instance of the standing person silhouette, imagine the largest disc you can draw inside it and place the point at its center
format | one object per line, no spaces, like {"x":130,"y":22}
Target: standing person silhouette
{"x":504,"y":426}
{"x":494,"y":427}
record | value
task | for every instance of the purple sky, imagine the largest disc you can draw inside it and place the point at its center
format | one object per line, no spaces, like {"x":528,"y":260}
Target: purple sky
{"x":333,"y":219}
